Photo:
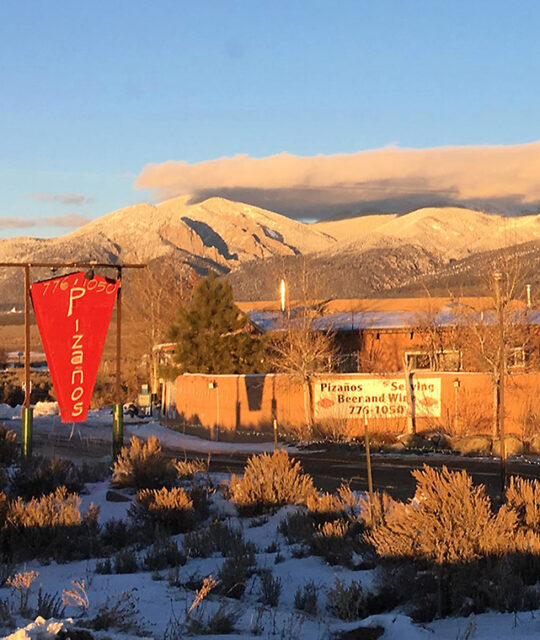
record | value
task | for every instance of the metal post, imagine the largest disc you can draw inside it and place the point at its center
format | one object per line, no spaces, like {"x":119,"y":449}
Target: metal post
{"x":275,"y":434}
{"x":118,"y":414}
{"x":368,"y":467}
{"x":26,"y":411}
{"x":497,"y":277}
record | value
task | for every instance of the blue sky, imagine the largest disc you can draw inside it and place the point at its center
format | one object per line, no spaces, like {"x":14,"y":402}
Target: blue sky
{"x":91,"y":92}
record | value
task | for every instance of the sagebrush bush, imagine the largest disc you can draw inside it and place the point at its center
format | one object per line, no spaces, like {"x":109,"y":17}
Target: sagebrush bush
{"x":523,"y":499}
{"x":142,"y":465}
{"x":347,"y":602}
{"x":449,"y":520}
{"x":188,"y":468}
{"x":58,"y":509}
{"x":449,"y":535}
{"x":50,"y":526}
{"x":163,"y":554}
{"x":8,"y":445}
{"x":216,"y":537}
{"x":331,"y":541}
{"x":271,"y":588}
{"x":170,"y":509}
{"x":43,"y":476}
{"x":236,"y":570}
{"x":271,"y":481}
{"x":125,"y":561}
{"x":306,"y":598}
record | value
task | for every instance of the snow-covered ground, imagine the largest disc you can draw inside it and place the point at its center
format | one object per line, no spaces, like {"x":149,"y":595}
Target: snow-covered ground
{"x":162,"y":598}
{"x":98,"y":428}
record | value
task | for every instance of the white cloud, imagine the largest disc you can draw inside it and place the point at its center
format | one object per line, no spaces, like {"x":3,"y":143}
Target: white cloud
{"x":503,"y":178}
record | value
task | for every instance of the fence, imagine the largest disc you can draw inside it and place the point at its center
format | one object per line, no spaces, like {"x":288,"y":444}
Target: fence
{"x":459,"y":403}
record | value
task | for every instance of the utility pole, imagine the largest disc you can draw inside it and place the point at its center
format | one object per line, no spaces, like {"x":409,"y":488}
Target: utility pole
{"x":27,"y":411}
{"x":118,"y":413}
{"x":497,"y":278}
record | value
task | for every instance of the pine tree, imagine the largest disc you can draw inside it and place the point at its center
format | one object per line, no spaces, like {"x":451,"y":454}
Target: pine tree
{"x":212,"y":334}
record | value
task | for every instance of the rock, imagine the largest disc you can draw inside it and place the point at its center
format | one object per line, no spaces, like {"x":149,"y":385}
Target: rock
{"x":514,"y":446}
{"x":415,"y":441}
{"x":115,"y":496}
{"x":472,"y":445}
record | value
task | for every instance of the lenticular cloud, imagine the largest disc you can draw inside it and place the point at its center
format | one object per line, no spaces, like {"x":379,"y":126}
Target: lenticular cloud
{"x":499,"y":178}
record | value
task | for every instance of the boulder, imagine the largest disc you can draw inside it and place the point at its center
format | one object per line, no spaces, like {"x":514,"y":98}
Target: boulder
{"x":472,"y":445}
{"x":513,"y":445}
{"x":420,"y":441}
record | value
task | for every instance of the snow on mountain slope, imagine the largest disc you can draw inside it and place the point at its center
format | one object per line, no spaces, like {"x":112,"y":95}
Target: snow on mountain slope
{"x":450,"y":232}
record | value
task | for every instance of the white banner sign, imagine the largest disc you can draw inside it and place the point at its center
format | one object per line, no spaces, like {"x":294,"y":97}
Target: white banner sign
{"x":378,"y":397}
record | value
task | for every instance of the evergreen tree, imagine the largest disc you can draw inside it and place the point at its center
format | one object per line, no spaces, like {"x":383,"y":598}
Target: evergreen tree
{"x":212,"y":334}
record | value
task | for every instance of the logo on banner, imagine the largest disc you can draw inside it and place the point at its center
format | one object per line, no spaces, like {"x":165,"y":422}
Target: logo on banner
{"x":73,"y":316}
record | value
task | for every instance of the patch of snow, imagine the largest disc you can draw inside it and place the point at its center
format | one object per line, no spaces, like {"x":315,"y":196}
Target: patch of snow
{"x":40,"y":629}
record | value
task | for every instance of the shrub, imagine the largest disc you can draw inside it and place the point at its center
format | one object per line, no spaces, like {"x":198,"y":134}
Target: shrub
{"x":125,"y":561}
{"x":43,"y":476}
{"x":8,"y":446}
{"x":163,"y":554}
{"x":121,"y":615}
{"x":297,"y":527}
{"x":221,"y":622}
{"x":235,"y":571}
{"x":448,"y":521}
{"x":271,"y":481}
{"x":347,"y":602}
{"x":331,"y":542}
{"x":51,"y":525}
{"x":58,"y":509}
{"x":187,"y":468}
{"x":115,"y":534}
{"x":171,"y":509}
{"x":217,"y":537}
{"x":523,"y":499}
{"x":143,"y":466}
{"x":271,"y":588}
{"x":49,"y":605}
{"x":305,"y":598}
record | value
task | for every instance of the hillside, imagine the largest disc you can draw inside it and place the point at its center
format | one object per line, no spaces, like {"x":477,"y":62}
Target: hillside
{"x":449,"y":232}
{"x":254,"y":247}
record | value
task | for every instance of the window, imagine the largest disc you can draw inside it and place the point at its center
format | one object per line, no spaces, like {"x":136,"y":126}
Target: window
{"x":449,"y":360}
{"x":418,"y":360}
{"x":516,"y":358}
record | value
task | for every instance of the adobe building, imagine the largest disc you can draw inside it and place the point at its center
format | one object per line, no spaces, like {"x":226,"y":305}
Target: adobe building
{"x":397,"y":361}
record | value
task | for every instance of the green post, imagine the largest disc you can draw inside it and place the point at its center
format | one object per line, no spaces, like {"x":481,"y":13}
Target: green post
{"x":118,"y":430}
{"x":26,"y":433}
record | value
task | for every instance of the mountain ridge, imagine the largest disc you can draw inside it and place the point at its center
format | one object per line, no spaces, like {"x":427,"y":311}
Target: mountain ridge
{"x":236,"y":238}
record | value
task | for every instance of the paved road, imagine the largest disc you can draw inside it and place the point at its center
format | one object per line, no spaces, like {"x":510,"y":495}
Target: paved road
{"x":391,"y":472}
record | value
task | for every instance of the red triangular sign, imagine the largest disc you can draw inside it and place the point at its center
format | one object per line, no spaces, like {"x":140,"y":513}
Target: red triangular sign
{"x":73,"y":315}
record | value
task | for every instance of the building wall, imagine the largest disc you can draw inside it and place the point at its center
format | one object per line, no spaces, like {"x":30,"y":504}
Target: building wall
{"x":252,"y":402}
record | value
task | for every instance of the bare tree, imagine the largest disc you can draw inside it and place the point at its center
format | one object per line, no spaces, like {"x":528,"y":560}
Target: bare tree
{"x":302,"y":352}
{"x":153,"y":299}
{"x":500,"y":336}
